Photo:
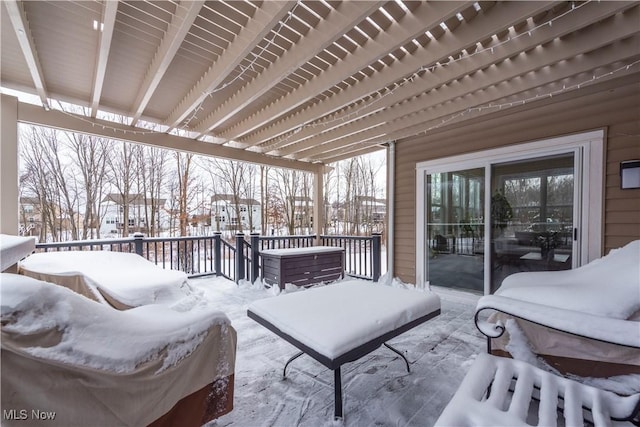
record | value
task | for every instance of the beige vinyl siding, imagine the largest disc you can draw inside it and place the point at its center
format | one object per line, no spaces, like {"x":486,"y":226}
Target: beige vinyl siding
{"x":622,"y":207}
{"x":613,"y":105}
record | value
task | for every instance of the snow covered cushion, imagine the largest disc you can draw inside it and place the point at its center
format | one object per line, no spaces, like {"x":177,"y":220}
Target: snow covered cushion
{"x":607,"y":287}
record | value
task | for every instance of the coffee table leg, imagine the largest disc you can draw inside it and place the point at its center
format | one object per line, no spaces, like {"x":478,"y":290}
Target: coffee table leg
{"x":406,"y":362}
{"x":337,"y":383}
{"x":284,"y":371}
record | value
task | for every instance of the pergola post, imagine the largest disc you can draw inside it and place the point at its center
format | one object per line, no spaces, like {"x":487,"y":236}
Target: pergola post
{"x":318,"y":203}
{"x":9,"y":197}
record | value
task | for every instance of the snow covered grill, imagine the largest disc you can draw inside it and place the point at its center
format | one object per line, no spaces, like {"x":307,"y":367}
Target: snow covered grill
{"x":499,"y":391}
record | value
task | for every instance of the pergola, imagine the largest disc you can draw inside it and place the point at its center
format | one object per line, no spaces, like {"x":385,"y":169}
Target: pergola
{"x":294,"y":84}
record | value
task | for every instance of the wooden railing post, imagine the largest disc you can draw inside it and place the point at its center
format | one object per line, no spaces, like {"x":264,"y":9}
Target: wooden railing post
{"x":138,"y":239}
{"x":255,"y":257}
{"x":240,"y":266}
{"x":376,"y":255}
{"x":217,"y":252}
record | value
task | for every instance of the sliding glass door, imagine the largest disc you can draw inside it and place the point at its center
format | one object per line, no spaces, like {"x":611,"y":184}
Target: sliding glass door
{"x":532,"y":216}
{"x":486,"y":215}
{"x":455,"y":228}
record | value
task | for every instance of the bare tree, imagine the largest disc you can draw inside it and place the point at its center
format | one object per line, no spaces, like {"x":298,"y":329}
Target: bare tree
{"x":232,"y":178}
{"x":248,"y":192}
{"x":55,"y":180}
{"x":37,"y":181}
{"x":349,"y":173}
{"x":152,"y":173}
{"x":121,"y":175}
{"x":264,"y":197}
{"x":330,"y":188}
{"x":90,"y":158}
{"x":184,"y":180}
{"x":290,"y":187}
{"x":358,"y":186}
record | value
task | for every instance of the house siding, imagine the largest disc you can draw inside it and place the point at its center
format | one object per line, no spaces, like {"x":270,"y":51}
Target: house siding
{"x":613,"y":106}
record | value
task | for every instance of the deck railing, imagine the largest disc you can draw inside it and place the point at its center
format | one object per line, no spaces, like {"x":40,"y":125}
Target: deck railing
{"x":213,"y":255}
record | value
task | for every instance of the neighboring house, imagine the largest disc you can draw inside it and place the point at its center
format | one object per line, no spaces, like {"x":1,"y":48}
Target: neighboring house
{"x":112,"y":209}
{"x":33,"y":221}
{"x":302,"y":211}
{"x":225,"y":215}
{"x":371,"y":210}
{"x":30,"y":216}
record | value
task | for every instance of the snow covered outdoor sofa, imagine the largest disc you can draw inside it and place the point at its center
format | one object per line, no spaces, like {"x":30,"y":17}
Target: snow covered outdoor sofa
{"x":576,"y":322}
{"x":79,"y":361}
{"x":121,"y":279}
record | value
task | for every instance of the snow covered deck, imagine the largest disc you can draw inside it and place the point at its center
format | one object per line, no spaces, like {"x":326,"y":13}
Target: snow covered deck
{"x":377,"y":388}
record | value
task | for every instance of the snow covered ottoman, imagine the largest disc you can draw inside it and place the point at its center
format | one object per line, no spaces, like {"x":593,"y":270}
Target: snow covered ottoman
{"x":81,"y":363}
{"x":123,"y":280}
{"x":345,"y":321}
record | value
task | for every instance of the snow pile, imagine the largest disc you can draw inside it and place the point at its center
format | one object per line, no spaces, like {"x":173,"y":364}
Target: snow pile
{"x":94,"y":335}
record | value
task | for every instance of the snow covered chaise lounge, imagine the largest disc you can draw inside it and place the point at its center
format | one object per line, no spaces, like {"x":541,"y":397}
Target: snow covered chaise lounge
{"x":591,"y":315}
{"x":584,"y":321}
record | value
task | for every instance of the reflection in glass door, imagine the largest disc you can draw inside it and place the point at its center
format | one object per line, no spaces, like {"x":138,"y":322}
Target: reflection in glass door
{"x":532,"y":215}
{"x":455,"y":229}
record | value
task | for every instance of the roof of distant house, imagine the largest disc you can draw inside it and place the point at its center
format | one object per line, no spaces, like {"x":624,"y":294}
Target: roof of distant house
{"x":132,"y":199}
{"x":371,"y":199}
{"x":230,"y":199}
{"x":26,"y":200}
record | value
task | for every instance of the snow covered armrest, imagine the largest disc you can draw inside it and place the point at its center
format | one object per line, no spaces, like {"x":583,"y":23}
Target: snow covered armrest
{"x":595,"y":327}
{"x":14,"y":248}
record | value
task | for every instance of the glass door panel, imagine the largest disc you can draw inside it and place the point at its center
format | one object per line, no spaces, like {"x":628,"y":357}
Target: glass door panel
{"x":532,"y":211}
{"x":455,"y":229}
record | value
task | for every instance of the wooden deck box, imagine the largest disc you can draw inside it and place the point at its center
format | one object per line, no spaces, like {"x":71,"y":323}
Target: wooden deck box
{"x":302,"y":266}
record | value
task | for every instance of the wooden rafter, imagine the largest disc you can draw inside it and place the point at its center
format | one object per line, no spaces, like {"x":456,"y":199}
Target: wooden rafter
{"x":339,"y":22}
{"x":264,"y":20}
{"x":109,"y":11}
{"x":23,"y":33}
{"x":179,"y":27}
